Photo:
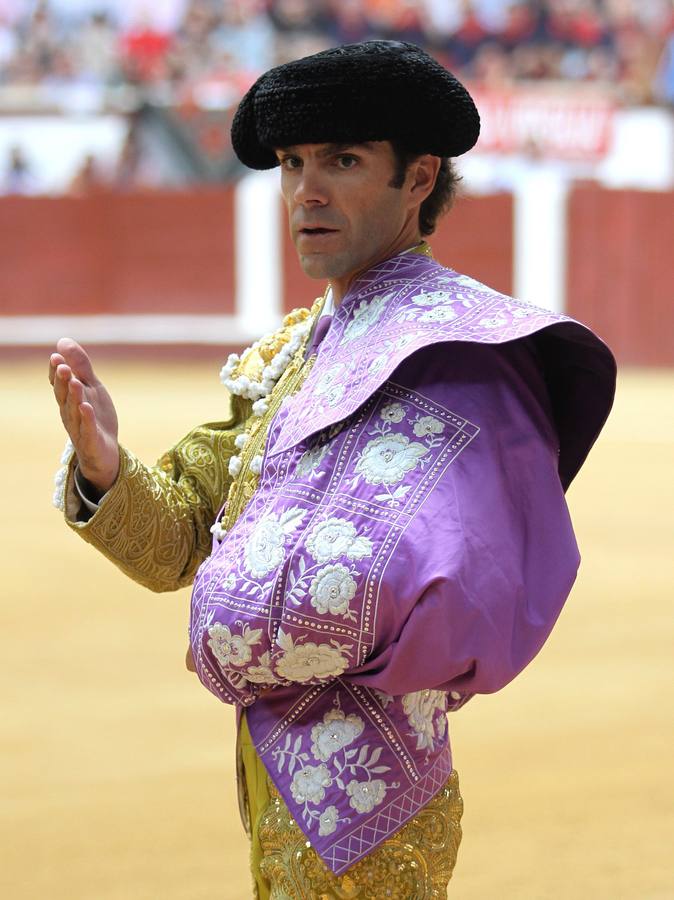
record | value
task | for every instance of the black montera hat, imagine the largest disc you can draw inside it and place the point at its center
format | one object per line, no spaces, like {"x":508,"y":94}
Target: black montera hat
{"x":372,"y":91}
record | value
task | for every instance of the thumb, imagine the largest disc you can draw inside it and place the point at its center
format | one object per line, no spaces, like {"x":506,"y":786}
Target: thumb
{"x":78,"y":360}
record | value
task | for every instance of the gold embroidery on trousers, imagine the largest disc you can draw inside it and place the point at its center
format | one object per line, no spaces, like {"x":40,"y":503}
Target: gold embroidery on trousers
{"x":415,"y":863}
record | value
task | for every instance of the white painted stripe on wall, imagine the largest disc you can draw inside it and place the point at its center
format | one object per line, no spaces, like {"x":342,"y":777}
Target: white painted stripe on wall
{"x":140,"y":329}
{"x":539,"y":239}
{"x":259,"y":274}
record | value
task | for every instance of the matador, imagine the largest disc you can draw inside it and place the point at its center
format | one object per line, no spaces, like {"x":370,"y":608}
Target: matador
{"x":377,"y":530}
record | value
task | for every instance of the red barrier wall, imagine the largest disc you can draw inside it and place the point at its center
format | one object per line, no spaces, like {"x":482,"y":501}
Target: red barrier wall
{"x":475,"y":237}
{"x":117,"y":253}
{"x":620,"y":275}
{"x":174,"y":253}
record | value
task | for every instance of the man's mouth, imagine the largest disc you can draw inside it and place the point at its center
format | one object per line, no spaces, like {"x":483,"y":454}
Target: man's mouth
{"x":311,"y":230}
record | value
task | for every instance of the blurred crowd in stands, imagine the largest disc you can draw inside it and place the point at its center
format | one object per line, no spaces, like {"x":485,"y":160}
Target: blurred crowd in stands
{"x":173,"y":46}
{"x":116,"y":54}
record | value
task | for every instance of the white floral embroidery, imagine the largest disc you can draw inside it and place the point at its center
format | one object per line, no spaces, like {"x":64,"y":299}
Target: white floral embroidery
{"x":334,"y":395}
{"x":434,"y":298}
{"x":327,"y":387}
{"x":378,"y":364}
{"x":261,"y":674}
{"x":384,"y":698}
{"x":232,"y":649}
{"x":229,"y":582}
{"x":388,"y":458}
{"x":420,"y":708}
{"x":364,"y":317}
{"x":304,"y":662}
{"x":334,"y":538}
{"x":365,"y":795}
{"x":335,"y":732}
{"x":291,"y":752}
{"x":468,"y":282}
{"x":331,"y":590}
{"x":327,"y":379}
{"x":428,"y":425}
{"x":311,"y":459}
{"x":405,"y":340}
{"x":495,"y":321}
{"x":327,"y":821}
{"x":308,"y":785}
{"x":438,"y":314}
{"x":393,"y":412}
{"x":265,"y":548}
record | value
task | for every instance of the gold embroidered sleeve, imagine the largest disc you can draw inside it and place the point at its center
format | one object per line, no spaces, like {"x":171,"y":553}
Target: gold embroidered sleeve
{"x":154,"y":523}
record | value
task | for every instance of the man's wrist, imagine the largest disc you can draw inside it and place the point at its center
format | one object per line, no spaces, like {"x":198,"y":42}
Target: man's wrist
{"x":97,"y":483}
{"x":89,"y":494}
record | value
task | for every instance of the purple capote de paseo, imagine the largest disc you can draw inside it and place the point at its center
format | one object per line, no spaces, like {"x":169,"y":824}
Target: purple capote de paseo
{"x":408,"y":544}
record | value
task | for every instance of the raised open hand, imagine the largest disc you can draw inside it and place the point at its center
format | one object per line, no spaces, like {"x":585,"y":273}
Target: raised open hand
{"x":87,"y":412}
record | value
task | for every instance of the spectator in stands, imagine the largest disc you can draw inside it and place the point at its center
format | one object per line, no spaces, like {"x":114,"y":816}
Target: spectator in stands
{"x":95,"y":50}
{"x":18,"y":177}
{"x":175,"y":46}
{"x":664,"y":79}
{"x":347,"y":22}
{"x":143,"y":49}
{"x":89,"y":178}
{"x":245,"y":35}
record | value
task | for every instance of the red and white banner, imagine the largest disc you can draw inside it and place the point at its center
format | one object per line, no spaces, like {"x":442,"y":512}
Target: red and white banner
{"x":555,"y":123}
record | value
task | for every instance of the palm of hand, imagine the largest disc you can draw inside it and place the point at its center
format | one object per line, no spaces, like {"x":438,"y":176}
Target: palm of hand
{"x":87,"y":412}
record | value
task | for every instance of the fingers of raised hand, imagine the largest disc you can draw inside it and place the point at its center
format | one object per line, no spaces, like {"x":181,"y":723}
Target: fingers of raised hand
{"x":74,"y":355}
{"x":62,"y":376}
{"x":55,"y":360}
{"x":75,"y":397}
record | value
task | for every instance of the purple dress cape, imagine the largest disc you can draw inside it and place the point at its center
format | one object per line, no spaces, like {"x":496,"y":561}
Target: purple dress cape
{"x":408,"y":544}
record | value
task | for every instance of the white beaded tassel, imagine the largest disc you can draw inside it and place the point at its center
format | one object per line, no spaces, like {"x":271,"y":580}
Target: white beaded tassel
{"x":245,"y":387}
{"x":218,"y":531}
{"x":61,"y":474}
{"x":257,"y":391}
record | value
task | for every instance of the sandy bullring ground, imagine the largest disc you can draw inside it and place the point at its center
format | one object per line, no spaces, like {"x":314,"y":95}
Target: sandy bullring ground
{"x":117,"y":766}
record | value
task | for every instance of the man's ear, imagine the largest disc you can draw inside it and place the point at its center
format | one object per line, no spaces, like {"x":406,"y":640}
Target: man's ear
{"x":423,"y":172}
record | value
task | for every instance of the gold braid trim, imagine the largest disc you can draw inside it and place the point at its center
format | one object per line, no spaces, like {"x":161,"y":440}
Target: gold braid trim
{"x":245,"y":485}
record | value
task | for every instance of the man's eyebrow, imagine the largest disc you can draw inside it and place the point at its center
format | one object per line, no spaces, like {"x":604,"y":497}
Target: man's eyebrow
{"x":332,"y":149}
{"x":329,"y":149}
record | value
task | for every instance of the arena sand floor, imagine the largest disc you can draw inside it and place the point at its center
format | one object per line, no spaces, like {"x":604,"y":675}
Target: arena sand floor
{"x":117,"y":766}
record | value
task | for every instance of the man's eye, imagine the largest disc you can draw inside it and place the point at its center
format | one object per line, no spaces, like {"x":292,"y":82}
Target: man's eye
{"x":346,"y":162}
{"x":291,"y":162}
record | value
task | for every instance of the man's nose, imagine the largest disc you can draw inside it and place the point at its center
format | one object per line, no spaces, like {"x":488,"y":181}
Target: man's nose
{"x":311,"y":189}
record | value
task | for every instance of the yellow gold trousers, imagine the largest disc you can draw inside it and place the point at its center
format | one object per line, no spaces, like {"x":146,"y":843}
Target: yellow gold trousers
{"x":415,"y":863}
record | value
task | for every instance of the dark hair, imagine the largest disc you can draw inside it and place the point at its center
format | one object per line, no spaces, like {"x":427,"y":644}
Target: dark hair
{"x":441,"y":198}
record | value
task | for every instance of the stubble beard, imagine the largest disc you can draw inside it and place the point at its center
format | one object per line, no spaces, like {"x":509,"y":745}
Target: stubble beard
{"x":325,"y":266}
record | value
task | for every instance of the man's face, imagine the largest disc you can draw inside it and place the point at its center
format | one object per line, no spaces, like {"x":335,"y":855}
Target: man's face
{"x":344,"y":215}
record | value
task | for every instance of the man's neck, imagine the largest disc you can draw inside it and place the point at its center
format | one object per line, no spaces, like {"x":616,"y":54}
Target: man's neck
{"x":339,"y":287}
